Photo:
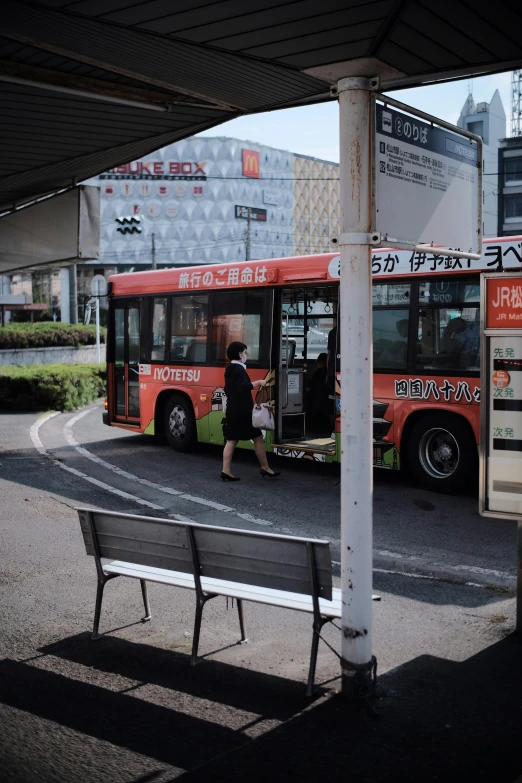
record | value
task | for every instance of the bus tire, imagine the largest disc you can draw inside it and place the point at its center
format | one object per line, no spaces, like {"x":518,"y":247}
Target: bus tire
{"x":180,"y":423}
{"x":442,"y":453}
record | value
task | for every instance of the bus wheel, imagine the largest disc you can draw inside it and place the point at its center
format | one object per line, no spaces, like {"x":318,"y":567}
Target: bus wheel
{"x":180,"y":424}
{"x":442,"y":453}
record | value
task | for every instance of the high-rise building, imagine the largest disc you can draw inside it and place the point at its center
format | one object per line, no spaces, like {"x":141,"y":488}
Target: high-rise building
{"x":510,"y":186}
{"x":487,"y":120}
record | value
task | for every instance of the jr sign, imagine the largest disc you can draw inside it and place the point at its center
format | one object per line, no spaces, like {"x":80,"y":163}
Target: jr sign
{"x":501,"y":409}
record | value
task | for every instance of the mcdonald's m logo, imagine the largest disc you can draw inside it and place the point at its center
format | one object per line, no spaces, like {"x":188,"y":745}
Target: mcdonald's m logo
{"x":250,"y":163}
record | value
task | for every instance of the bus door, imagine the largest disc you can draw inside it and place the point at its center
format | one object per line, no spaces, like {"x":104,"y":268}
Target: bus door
{"x":306,"y":410}
{"x":126,"y":361}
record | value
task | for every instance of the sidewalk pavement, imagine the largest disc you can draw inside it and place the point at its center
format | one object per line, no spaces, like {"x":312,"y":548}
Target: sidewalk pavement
{"x":129,"y":707}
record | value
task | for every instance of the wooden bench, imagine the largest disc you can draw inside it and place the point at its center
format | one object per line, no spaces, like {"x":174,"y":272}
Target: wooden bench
{"x":292,"y":573}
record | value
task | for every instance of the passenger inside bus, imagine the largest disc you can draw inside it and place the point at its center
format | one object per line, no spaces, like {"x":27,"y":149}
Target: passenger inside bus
{"x":449,"y":339}
{"x":451,"y":344}
{"x":317,"y":408}
{"x":391,"y":353}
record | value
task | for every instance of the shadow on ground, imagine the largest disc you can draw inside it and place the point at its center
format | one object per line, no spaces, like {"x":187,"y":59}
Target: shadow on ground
{"x":435,"y":719}
{"x":240,"y":688}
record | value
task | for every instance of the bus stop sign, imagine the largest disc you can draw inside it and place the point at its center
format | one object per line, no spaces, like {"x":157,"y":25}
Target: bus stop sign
{"x":501,"y":390}
{"x":427,"y":181}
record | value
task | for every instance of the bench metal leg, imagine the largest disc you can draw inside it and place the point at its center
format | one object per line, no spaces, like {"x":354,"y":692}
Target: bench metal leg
{"x":197,"y":629}
{"x":145,"y":595}
{"x":99,"y":599}
{"x":97,"y":610}
{"x":241,"y":620}
{"x":200,"y":603}
{"x":313,"y":660}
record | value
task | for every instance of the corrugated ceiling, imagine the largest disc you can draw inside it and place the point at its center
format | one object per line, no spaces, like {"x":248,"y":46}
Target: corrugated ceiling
{"x":207,"y":62}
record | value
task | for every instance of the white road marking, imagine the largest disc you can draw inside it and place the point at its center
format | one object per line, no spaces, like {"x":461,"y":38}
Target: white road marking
{"x":423,"y":576}
{"x":71,"y":440}
{"x":35,"y":437}
{"x":450,"y":571}
{"x":69,"y":436}
{"x":501,"y":574}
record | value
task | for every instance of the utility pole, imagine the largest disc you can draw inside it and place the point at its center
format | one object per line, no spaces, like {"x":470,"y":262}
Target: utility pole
{"x":153,"y":237}
{"x":73,"y":295}
{"x":247,"y":254}
{"x":355,"y":328}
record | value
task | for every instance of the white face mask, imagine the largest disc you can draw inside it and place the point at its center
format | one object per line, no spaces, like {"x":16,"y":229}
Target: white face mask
{"x":244,"y":357}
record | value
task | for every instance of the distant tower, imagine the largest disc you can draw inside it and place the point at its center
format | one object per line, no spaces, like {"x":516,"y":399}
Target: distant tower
{"x":516,"y":103}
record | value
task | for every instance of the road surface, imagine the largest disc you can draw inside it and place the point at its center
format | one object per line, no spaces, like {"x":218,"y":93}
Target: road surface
{"x":415,"y":531}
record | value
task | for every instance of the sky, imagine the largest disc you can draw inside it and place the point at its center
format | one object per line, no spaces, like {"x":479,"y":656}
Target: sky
{"x":313,"y":130}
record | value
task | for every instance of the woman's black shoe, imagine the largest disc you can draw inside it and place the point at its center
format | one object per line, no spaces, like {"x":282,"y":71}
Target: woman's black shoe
{"x":267,"y":473}
{"x":226,"y":477}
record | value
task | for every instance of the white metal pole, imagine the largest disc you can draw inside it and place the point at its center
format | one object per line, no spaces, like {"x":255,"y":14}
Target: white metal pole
{"x":98,"y":357}
{"x":356,"y":386}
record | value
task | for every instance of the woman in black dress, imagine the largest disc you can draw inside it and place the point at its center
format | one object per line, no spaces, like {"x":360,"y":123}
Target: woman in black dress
{"x":238,"y":390}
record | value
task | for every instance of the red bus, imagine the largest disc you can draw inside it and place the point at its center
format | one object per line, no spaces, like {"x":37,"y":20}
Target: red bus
{"x":169,"y":329}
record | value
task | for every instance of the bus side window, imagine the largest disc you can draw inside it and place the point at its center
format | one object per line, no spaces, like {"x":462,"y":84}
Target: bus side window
{"x":237,"y":316}
{"x":159,"y":321}
{"x":188,"y":329}
{"x":390,"y":339}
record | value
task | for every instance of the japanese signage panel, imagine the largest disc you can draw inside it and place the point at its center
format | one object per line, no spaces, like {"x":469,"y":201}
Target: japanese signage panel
{"x":427,"y":183}
{"x":501,"y":415}
{"x":229,"y":276}
{"x":497,"y":255}
{"x":250,"y":161}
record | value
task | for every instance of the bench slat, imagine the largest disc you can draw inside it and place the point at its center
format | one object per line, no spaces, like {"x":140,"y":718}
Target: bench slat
{"x":260,"y":559}
{"x":262,"y":595}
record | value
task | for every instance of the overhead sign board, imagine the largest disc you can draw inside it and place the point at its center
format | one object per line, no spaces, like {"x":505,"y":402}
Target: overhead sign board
{"x":427,"y":182}
{"x":501,"y":408}
{"x":158,"y":169}
{"x":255,"y":213}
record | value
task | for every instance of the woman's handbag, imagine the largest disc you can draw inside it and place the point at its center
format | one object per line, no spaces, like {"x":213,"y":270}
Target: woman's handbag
{"x":263,"y":413}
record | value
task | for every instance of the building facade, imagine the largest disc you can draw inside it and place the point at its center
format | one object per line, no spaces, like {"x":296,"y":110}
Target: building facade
{"x":487,"y":120}
{"x":205,"y":200}
{"x":510,"y":187}
{"x":316,"y":204}
{"x":199,"y":201}
{"x":212,"y":200}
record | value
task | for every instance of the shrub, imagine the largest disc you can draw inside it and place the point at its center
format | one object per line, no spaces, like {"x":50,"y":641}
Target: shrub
{"x":60,"y":387}
{"x":48,"y":335}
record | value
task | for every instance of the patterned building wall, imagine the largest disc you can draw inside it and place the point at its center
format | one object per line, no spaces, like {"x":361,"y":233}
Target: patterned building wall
{"x":316,"y":205}
{"x":187,"y":194}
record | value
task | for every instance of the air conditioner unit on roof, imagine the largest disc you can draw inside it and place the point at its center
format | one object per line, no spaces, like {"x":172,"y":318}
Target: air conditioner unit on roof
{"x":482,"y":107}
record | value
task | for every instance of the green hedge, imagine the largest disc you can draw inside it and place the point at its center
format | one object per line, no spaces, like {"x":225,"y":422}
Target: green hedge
{"x":60,"y":387}
{"x":47,"y":335}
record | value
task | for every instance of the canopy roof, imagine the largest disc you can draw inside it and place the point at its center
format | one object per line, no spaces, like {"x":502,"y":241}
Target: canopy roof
{"x":91,"y":84}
